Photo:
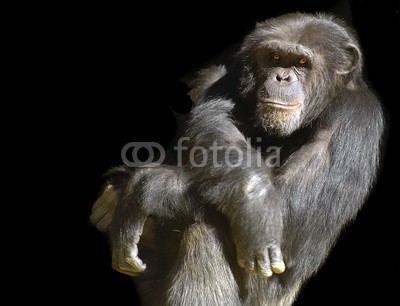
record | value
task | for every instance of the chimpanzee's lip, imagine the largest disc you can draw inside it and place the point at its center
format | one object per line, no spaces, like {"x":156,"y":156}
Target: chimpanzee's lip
{"x":283,"y":105}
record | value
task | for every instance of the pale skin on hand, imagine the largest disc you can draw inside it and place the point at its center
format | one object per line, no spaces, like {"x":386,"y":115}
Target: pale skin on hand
{"x":127,"y":260}
{"x":103,"y":209}
{"x":263,"y":265}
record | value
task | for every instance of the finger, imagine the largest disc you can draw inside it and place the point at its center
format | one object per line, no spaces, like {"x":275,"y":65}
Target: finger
{"x":131,"y":266}
{"x":241,"y":263}
{"x":98,"y":214}
{"x":104,"y":223}
{"x":108,"y":195}
{"x":125,"y":263}
{"x":278,"y":267}
{"x":246,"y":264}
{"x":133,"y":260}
{"x":263,"y":266}
{"x":123,"y":270}
{"x":250,"y":267}
{"x":136,"y":264}
{"x":277,"y":264}
{"x":103,"y":208}
{"x":240,"y":258}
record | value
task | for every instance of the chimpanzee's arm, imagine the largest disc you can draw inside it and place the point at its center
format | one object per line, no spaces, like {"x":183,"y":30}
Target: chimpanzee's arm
{"x":231,"y":175}
{"x":128,"y":198}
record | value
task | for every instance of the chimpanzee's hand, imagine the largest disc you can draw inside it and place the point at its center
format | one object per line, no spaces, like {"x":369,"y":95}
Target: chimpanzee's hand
{"x":257,"y":226}
{"x":103,"y":209}
{"x":148,"y":191}
{"x":257,"y":250}
{"x":124,"y":249}
{"x":256,"y":223}
{"x":250,"y":201}
{"x":124,"y":244}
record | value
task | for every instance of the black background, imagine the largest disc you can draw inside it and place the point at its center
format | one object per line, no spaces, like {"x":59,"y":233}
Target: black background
{"x":114,"y":74}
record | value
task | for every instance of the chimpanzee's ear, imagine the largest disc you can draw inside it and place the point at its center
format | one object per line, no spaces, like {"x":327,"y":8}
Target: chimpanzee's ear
{"x":351,"y":59}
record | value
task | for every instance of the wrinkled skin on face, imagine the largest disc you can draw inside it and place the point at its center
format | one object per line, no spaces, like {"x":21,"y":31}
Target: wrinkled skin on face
{"x":287,"y":70}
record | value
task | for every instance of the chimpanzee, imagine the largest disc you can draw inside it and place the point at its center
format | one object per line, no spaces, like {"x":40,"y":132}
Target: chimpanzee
{"x":281,"y":150}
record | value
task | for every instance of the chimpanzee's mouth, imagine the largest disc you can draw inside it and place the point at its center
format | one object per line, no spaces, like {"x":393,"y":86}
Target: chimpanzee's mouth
{"x":283,"y":105}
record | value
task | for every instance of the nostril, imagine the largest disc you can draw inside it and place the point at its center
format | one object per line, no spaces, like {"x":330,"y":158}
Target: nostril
{"x":280,"y":78}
